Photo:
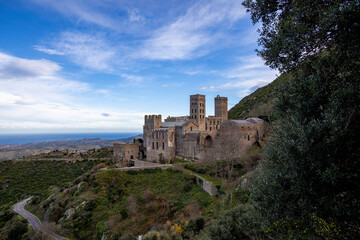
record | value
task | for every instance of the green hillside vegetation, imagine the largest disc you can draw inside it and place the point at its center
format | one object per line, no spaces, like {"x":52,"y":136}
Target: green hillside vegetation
{"x":260,"y":103}
{"x":114,"y":203}
{"x":21,"y":179}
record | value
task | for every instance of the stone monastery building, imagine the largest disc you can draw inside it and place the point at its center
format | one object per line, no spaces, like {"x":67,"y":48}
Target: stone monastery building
{"x":198,"y":136}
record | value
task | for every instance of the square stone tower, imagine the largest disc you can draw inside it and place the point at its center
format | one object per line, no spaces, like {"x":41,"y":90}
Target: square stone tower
{"x":197,"y":110}
{"x":221,"y":107}
{"x":151,"y":122}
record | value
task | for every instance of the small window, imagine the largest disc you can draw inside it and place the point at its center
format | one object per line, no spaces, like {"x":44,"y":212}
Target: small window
{"x":195,"y":116}
{"x":153,"y":135}
{"x":210,"y":128}
{"x":190,"y":128}
{"x":153,"y":145}
{"x":163,"y":146}
{"x":157,"y":145}
{"x":163,"y":135}
{"x":157,"y":135}
{"x":248,"y":137}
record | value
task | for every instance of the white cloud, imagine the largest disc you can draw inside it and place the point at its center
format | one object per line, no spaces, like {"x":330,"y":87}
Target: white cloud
{"x":192,"y":34}
{"x":90,"y":51}
{"x":135,"y":16}
{"x":34,"y":96}
{"x":246,"y":77}
{"x":82,"y":10}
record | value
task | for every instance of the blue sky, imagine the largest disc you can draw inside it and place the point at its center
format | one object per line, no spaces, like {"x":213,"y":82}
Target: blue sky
{"x":100,"y":66}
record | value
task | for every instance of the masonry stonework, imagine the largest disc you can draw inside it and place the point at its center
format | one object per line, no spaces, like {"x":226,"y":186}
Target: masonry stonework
{"x":199,"y":136}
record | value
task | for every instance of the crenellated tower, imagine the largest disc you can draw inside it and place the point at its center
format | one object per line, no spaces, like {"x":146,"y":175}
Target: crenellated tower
{"x":151,"y":122}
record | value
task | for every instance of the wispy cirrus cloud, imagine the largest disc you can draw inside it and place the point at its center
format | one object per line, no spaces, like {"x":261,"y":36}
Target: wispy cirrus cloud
{"x":89,"y":51}
{"x":80,"y":10}
{"x":192,"y":34}
{"x":250,"y":74}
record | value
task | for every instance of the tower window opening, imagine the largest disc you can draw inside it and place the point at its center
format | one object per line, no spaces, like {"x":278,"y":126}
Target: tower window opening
{"x":157,"y":145}
{"x":163,"y":145}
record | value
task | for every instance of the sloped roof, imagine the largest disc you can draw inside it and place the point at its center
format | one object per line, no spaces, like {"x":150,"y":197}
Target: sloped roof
{"x":171,"y":124}
{"x":242,"y":121}
{"x":256,"y":119}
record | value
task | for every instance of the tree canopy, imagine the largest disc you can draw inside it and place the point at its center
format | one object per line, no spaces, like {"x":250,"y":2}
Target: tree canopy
{"x":308,"y":186}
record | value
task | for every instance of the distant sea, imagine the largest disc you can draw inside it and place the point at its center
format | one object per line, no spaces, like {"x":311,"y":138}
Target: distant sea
{"x":46,"y":137}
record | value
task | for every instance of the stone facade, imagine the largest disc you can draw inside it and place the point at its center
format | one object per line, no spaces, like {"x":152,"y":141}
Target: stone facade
{"x":126,"y":152}
{"x":200,"y":137}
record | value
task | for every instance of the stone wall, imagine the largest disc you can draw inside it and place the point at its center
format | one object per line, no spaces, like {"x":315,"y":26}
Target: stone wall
{"x":206,"y":185}
{"x":124,"y":152}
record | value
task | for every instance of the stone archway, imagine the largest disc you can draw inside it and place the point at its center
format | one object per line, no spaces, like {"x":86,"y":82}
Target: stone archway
{"x":208,"y":142}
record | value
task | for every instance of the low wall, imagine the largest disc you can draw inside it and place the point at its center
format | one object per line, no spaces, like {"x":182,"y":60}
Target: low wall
{"x":206,"y":185}
{"x":138,"y":168}
{"x":139,"y":163}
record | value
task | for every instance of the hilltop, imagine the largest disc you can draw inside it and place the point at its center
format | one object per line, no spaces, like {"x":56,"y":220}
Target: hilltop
{"x":261,"y":102}
{"x":15,"y":151}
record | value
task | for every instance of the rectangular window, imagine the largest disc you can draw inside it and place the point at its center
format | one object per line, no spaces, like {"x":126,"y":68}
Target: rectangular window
{"x":157,"y":135}
{"x":157,"y":145}
{"x":163,"y":135}
{"x":163,"y":146}
{"x":153,"y":135}
{"x":153,"y":145}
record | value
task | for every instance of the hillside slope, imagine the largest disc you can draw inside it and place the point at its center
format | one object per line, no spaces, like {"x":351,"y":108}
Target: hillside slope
{"x":261,"y":102}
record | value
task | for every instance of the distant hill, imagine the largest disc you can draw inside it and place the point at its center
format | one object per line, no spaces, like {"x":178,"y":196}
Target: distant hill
{"x":15,"y":151}
{"x":261,"y":102}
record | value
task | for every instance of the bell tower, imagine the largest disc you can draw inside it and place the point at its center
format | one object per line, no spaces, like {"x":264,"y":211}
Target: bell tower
{"x":221,"y":107}
{"x":197,"y":110}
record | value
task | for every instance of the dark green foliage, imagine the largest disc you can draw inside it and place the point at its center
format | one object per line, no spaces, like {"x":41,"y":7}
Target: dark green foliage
{"x":308,"y":184}
{"x":195,"y":225}
{"x":295,"y":30}
{"x":17,"y":230}
{"x":235,"y":224}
